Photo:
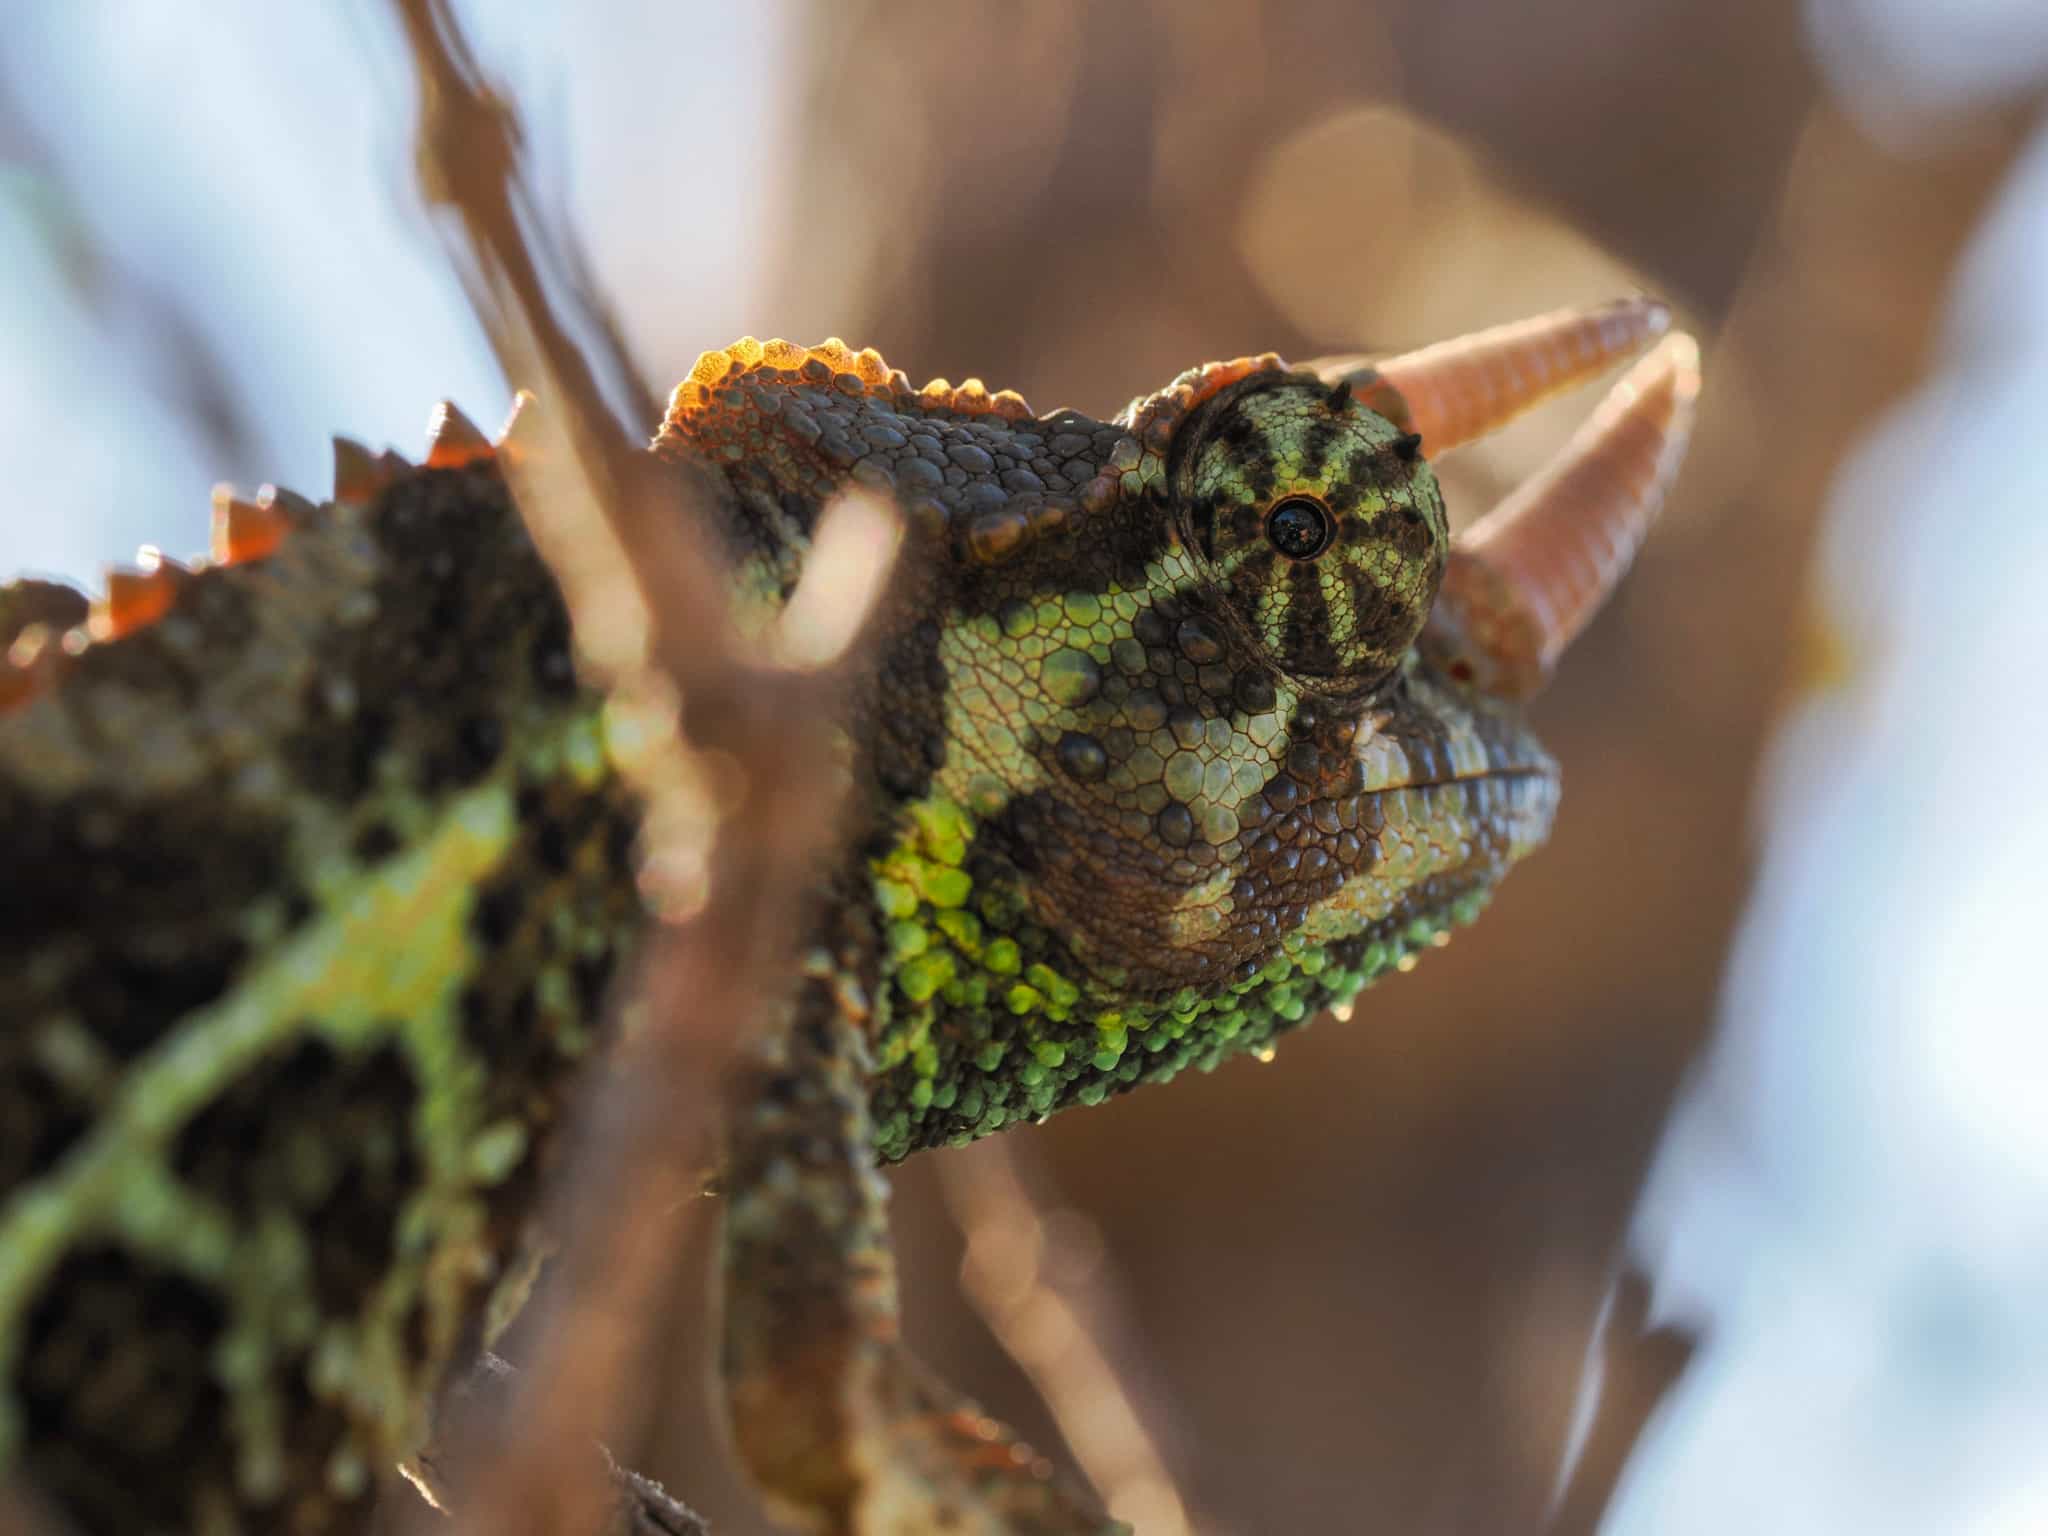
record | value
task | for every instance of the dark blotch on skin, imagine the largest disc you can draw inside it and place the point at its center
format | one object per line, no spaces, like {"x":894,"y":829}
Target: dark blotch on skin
{"x":131,"y":908}
{"x":574,"y":856}
{"x":42,"y":1118}
{"x":376,"y":842}
{"x":1082,"y":756}
{"x":121,"y":1413}
{"x":1240,"y":434}
{"x":358,"y":1108}
{"x":1322,"y":433}
{"x":1199,"y":641}
{"x":478,"y":742}
{"x":1306,"y":631}
{"x":494,"y":917}
{"x":465,"y":614}
{"x":907,"y":725}
{"x":1176,"y":826}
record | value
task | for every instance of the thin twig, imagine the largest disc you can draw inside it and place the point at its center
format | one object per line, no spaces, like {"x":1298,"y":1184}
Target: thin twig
{"x":1054,"y":1316}
{"x":1638,"y":1366}
{"x":482,"y":1399}
{"x":737,"y":776}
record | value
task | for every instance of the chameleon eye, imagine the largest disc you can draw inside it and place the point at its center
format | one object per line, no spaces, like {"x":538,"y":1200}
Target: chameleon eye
{"x":1299,"y":527}
{"x":1319,"y":524}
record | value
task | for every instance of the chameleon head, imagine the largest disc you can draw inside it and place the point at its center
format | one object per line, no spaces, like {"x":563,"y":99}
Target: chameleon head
{"x":1275,"y":707}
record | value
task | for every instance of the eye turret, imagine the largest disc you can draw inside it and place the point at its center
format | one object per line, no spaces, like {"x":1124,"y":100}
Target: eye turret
{"x":1319,"y":522}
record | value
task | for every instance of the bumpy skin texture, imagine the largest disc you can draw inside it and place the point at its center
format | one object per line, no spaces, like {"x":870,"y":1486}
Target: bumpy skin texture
{"x":321,"y":880}
{"x":328,"y":871}
{"x":1147,"y":792}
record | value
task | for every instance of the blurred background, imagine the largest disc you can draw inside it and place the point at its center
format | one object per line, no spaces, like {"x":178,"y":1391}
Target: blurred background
{"x":1766,"y":1015}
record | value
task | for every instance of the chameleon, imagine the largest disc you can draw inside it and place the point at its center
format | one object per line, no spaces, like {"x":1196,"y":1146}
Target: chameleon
{"x":1181,"y":729}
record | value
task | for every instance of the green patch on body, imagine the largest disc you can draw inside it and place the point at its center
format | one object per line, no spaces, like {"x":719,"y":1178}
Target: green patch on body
{"x":987,"y":1020}
{"x":383,"y":959}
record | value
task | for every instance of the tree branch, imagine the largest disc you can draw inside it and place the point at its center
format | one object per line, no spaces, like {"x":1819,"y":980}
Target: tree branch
{"x":1638,"y":1366}
{"x":741,"y":789}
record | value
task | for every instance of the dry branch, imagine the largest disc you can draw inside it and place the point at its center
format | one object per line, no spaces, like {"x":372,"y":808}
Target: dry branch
{"x":1638,"y":1367}
{"x":1059,"y":1321}
{"x":741,"y":809}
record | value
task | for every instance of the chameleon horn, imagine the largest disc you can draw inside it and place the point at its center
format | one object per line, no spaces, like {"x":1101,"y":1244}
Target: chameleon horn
{"x":1461,"y":389}
{"x":1526,"y":578}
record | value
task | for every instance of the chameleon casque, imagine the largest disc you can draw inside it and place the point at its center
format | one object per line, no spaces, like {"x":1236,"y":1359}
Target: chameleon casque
{"x":1183,"y":727}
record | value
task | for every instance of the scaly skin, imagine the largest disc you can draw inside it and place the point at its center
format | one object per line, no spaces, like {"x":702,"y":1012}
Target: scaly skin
{"x":328,"y":870}
{"x":329,"y":877}
{"x":1114,"y":837}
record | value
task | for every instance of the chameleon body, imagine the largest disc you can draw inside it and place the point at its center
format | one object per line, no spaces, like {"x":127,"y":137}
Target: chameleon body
{"x":322,"y":872}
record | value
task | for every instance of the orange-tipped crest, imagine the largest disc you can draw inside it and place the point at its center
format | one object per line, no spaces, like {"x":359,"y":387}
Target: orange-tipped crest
{"x":1525,"y":579}
{"x":358,"y":475}
{"x":136,"y":595}
{"x":831,"y":364}
{"x":453,"y":440}
{"x":1465,"y":388}
{"x":245,"y":530}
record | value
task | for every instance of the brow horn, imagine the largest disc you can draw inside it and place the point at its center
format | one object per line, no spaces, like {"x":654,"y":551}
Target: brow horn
{"x":1461,"y":389}
{"x":1526,"y":578}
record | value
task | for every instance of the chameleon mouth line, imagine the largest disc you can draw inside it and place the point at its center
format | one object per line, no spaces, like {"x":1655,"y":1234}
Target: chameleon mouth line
{"x":1519,"y":772}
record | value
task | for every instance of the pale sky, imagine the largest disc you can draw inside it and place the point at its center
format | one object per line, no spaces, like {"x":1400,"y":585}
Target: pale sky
{"x":1854,"y":1195}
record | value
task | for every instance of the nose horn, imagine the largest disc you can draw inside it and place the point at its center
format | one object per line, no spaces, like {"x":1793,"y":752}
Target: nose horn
{"x":1458,"y":390}
{"x":1526,"y":578}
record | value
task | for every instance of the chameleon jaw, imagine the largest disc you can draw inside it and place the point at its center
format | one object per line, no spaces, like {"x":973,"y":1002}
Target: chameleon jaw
{"x":1452,"y":809}
{"x":1440,"y":796}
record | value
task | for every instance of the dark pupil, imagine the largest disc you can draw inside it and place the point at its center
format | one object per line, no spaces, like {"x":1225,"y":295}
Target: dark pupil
{"x":1299,"y":528}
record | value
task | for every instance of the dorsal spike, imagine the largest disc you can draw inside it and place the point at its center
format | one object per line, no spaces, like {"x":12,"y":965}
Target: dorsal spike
{"x":453,"y":440}
{"x":245,"y":530}
{"x":1462,"y":389}
{"x":1526,"y":579}
{"x":295,"y":509}
{"x":136,"y":595}
{"x":357,"y":475}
